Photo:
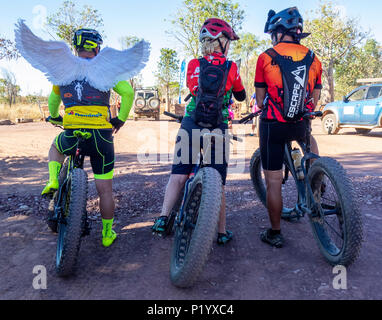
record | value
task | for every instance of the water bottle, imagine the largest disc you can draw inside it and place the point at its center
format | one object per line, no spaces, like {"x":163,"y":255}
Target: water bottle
{"x":297,"y":156}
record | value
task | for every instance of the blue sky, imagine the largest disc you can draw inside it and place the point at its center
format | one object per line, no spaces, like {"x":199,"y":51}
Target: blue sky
{"x":149,"y":20}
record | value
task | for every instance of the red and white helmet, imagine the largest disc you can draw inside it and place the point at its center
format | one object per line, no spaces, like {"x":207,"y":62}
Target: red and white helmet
{"x":214,"y":28}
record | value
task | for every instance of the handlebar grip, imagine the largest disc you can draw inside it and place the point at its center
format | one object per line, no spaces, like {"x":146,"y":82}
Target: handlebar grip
{"x":174,"y":116}
{"x":311,"y":115}
{"x":188,"y":97}
{"x":247,"y":118}
{"x":236,"y":138}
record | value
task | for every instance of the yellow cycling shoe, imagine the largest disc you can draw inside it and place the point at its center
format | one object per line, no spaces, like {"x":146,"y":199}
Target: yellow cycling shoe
{"x":108,"y":241}
{"x":50,"y":187}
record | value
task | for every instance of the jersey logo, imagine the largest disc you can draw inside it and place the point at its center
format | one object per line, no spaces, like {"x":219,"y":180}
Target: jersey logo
{"x":297,"y":77}
{"x":79,"y":88}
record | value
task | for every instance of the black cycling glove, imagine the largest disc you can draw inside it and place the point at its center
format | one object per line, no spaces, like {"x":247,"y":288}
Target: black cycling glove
{"x":117,"y":124}
{"x":59,"y":120}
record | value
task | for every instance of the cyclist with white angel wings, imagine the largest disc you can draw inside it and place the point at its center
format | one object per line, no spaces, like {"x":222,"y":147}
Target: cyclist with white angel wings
{"x":83,"y":82}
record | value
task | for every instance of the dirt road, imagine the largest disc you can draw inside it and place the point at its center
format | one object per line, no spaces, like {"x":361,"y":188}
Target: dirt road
{"x":137,"y":265}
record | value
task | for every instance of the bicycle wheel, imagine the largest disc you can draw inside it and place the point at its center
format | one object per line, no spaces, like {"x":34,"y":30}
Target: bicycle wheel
{"x":289,"y":189}
{"x":257,"y":177}
{"x":52,"y":220}
{"x":71,"y":228}
{"x":336,"y":222}
{"x":195,"y":236}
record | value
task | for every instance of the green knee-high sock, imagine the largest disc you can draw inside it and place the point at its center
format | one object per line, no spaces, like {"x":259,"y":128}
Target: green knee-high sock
{"x":54,"y":170}
{"x":107,"y":227}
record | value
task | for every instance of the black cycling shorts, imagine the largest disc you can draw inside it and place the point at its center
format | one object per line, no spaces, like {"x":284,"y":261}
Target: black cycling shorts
{"x":100,"y":148}
{"x":273,"y":136}
{"x":184,"y":164}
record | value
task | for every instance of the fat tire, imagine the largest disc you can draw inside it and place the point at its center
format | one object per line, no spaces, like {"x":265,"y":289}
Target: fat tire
{"x":74,"y":227}
{"x":352,"y":225}
{"x":203,"y":235}
{"x":255,"y":172}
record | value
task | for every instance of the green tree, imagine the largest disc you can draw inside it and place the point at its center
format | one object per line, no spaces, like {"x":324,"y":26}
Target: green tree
{"x":167,"y":72}
{"x":191,"y":16}
{"x":332,"y":37}
{"x":9,"y":88}
{"x":8,"y":49}
{"x":68,"y":19}
{"x":363,"y":62}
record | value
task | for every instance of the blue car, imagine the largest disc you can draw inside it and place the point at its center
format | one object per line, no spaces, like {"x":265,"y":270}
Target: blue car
{"x":360,"y":109}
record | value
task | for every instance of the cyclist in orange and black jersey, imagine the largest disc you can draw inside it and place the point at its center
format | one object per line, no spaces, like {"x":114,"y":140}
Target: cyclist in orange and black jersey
{"x":286,"y":30}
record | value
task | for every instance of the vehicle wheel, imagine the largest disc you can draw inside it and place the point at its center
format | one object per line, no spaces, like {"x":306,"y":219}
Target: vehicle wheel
{"x":196,"y":233}
{"x":157,"y":117}
{"x":135,"y":118}
{"x":154,"y":103}
{"x":257,"y":179}
{"x":70,"y":232}
{"x":336,"y":221}
{"x":52,"y":221}
{"x":329,"y":124}
{"x":362,"y":131}
{"x":140,"y":103}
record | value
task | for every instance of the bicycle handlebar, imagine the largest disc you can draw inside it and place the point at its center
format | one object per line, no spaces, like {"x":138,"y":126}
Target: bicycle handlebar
{"x":308,"y":115}
{"x":180,"y":118}
{"x":312,"y":115}
{"x":250,"y":117}
{"x":174,"y":116}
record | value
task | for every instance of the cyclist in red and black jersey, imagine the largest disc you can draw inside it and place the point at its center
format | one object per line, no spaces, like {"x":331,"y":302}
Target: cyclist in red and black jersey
{"x":286,"y":30}
{"x":215,"y":37}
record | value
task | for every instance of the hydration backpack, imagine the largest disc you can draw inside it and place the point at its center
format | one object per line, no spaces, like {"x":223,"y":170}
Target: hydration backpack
{"x":210,"y":95}
{"x":295,"y":75}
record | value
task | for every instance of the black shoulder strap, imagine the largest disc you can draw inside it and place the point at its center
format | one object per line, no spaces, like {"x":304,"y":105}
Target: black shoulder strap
{"x":272,"y":53}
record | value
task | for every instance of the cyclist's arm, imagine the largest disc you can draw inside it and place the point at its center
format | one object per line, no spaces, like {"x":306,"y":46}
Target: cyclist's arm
{"x":316,"y":96}
{"x":54,"y":102}
{"x":124,"y":89}
{"x":260,"y":84}
{"x":238,"y":88}
{"x":318,"y":82}
{"x":260,"y":96}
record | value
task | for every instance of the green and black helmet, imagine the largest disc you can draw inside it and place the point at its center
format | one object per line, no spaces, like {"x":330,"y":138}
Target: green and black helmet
{"x":87,"y":39}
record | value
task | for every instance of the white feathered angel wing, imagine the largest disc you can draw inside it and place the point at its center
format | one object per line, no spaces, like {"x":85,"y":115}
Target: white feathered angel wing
{"x":53,"y":58}
{"x":61,"y":67}
{"x":111,"y":66}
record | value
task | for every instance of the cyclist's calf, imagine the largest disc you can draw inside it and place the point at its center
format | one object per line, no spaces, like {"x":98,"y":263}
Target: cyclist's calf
{"x":106,"y":201}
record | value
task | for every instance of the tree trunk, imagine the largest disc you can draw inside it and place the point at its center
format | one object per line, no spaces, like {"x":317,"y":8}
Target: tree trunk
{"x":168,"y":98}
{"x":331,"y":80}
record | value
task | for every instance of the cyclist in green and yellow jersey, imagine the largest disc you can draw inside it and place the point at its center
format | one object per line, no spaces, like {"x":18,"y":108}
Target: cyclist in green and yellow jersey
{"x":87,"y":109}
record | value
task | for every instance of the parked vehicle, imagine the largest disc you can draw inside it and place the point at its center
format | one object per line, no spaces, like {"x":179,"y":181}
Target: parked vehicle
{"x":360,"y":109}
{"x":146,"y":103}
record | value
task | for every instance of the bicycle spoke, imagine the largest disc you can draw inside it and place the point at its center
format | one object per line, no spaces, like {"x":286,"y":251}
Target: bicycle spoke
{"x":334,"y":201}
{"x":335,"y":231}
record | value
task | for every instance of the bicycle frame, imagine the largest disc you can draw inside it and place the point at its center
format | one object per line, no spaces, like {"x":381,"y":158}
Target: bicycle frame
{"x":76,"y":161}
{"x":303,"y":186}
